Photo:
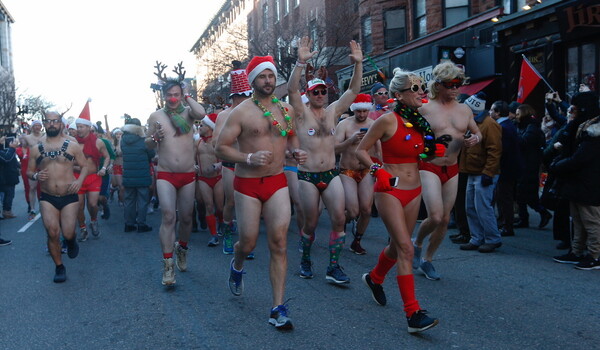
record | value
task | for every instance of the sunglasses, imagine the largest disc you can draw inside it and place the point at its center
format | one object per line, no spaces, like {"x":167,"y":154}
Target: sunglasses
{"x":381,"y":93}
{"x":322,"y":92}
{"x":452,"y":84}
{"x":415,"y":88}
{"x":198,"y":122}
{"x":52,"y":121}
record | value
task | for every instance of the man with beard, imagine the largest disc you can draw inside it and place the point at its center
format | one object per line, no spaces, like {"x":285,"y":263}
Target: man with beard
{"x":55,"y":157}
{"x":170,"y":130}
{"x":315,"y":127}
{"x":93,"y":149}
{"x":262,"y":127}
{"x":356,"y":180}
{"x":31,"y":141}
{"x":439,"y":177}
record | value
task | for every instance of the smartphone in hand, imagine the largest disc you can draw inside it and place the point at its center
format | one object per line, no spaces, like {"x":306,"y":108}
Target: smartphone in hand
{"x":467,"y":134}
{"x":364,"y":129}
{"x":394,"y":181}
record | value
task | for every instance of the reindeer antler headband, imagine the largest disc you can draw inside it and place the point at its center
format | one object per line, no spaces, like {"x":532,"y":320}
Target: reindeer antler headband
{"x":162,"y":77}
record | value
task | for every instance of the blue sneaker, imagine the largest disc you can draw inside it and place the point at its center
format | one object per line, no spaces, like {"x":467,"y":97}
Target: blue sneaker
{"x":279,"y":318}
{"x":236,"y":284}
{"x":250,"y":256}
{"x":336,"y":274}
{"x":427,"y":268}
{"x":416,"y":257}
{"x":306,"y":268}
{"x":227,"y":240}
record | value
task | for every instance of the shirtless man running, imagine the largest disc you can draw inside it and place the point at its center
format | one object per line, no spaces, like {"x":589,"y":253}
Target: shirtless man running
{"x":357,"y":182}
{"x":54,"y":158}
{"x":32,"y":141}
{"x":170,"y":130}
{"x":240,"y":91}
{"x":315,"y":127}
{"x":439,"y":177}
{"x":263,"y":130}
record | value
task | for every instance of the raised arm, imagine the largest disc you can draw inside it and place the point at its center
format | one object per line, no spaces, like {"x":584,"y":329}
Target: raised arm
{"x":356,"y":56}
{"x":304,"y":54}
{"x":196,"y":110}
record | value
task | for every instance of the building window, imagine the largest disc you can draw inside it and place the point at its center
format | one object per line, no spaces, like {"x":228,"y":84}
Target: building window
{"x":367,"y":43}
{"x":420,"y":18}
{"x":455,"y":11}
{"x":277,"y":8}
{"x":265,"y":16}
{"x":395,"y":27}
{"x":313,"y":34}
{"x":582,"y":68}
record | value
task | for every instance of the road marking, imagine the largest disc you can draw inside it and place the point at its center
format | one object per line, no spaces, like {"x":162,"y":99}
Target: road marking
{"x":31,"y":222}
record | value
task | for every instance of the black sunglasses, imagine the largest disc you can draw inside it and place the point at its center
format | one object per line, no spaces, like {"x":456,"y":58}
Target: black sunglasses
{"x":451,"y":85}
{"x":52,"y":121}
{"x":415,"y":88}
{"x":322,"y":92}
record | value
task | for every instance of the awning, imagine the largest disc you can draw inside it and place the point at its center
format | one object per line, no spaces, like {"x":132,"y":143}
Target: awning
{"x":474,"y":88}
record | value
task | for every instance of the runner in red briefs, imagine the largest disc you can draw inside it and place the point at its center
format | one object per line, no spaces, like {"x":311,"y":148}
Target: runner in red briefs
{"x":443,"y":172}
{"x":261,"y":188}
{"x":178,"y":180}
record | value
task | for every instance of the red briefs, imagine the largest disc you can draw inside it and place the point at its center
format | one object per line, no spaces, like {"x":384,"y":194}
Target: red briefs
{"x":210,"y":181}
{"x":117,"y":170}
{"x":404,"y":196}
{"x":92,"y":183}
{"x":261,"y":188}
{"x":444,"y":172}
{"x":357,"y":175}
{"x":178,"y":180}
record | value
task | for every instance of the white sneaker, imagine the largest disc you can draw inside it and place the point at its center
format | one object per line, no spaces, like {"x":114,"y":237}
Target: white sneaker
{"x":94,"y":228}
{"x":168,"y":278}
{"x":181,"y":254}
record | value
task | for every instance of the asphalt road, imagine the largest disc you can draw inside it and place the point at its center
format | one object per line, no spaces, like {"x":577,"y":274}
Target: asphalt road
{"x":516,"y":298}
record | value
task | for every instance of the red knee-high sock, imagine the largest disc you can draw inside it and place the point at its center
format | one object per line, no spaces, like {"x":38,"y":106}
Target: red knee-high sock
{"x":384,"y":264}
{"x":211,"y":222}
{"x":406,"y":284}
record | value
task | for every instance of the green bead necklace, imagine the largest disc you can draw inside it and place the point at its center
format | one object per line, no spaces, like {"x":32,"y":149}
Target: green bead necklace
{"x":288,"y":120}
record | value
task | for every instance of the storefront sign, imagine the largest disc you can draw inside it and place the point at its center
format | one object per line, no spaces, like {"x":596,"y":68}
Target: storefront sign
{"x":425,"y":73}
{"x":368,"y":79}
{"x":579,"y":18}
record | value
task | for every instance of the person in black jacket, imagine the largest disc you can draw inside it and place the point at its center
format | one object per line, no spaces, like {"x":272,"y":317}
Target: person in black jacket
{"x":9,"y":175}
{"x":531,"y":143}
{"x":511,"y":165}
{"x":576,"y":169}
{"x":136,"y":176}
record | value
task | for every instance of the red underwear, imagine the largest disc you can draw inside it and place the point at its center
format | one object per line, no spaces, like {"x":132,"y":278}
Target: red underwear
{"x":444,"y":172}
{"x":92,"y":183}
{"x":117,"y":170}
{"x":357,"y":175}
{"x":210,"y":181}
{"x":261,"y":188}
{"x":404,"y":196}
{"x":178,"y":180}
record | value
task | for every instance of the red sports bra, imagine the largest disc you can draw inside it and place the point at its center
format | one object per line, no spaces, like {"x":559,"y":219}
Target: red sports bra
{"x":405,"y":146}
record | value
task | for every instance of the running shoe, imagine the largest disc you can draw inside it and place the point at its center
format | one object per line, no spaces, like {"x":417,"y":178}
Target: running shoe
{"x":429,"y":271}
{"x":419,"y":322}
{"x":306,"y":268}
{"x":181,"y":257}
{"x":227,"y":240}
{"x":4,"y":242}
{"x":72,"y":248}
{"x":60,"y":274}
{"x":94,"y":228}
{"x":336,"y":274}
{"x":214,"y":241}
{"x":356,"y":248}
{"x":83,"y":236}
{"x":236,"y":283}
{"x":376,"y":290}
{"x":168,"y":278}
{"x":279,"y":318}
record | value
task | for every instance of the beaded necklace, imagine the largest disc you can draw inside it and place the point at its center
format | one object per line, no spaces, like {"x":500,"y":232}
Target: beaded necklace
{"x":288,"y":120}
{"x":416,"y":119}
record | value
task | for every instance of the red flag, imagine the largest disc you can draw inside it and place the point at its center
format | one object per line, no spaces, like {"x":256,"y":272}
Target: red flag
{"x":528,"y":80}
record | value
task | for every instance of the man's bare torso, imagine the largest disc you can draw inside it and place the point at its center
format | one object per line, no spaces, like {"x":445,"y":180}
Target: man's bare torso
{"x":175,"y":152}
{"x":348,"y":159}
{"x":207,"y":158}
{"x":60,"y":169}
{"x":316,"y":135}
{"x":448,"y":119}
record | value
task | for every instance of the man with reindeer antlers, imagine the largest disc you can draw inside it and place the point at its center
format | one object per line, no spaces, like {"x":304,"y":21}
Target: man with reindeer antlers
{"x":169,"y":131}
{"x":315,"y":127}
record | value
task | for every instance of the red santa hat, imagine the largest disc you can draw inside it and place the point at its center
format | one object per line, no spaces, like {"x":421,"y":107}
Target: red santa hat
{"x":362,"y":102}
{"x":210,"y":120}
{"x":259,"y":64}
{"x":239,"y":83}
{"x":84,"y":116}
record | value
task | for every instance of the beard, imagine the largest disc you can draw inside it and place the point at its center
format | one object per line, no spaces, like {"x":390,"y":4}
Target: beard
{"x":265,"y":90}
{"x":52,"y":132}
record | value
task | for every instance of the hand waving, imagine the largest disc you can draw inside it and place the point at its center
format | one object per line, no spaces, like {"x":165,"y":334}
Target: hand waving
{"x":304,"y":53}
{"x":356,"y":54}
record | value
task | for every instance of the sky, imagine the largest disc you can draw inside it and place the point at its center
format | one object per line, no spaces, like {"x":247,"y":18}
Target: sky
{"x":70,"y":50}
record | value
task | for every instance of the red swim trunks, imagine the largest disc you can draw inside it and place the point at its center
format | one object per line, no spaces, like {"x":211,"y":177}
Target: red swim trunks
{"x":444,"y":172}
{"x":210,"y":181}
{"x":178,"y":180}
{"x":117,"y":170}
{"x":92,"y":183}
{"x":404,"y":196}
{"x":261,"y":188}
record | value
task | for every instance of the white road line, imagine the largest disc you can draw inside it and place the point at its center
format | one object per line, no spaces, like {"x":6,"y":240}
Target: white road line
{"x":27,"y":225}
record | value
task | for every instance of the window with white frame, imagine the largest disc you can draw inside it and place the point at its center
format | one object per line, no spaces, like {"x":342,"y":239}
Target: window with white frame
{"x":420,"y":18}
{"x":455,"y":11}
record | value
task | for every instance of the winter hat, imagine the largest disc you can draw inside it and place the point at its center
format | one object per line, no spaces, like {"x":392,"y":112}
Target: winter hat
{"x":36,"y":122}
{"x":72,"y":126}
{"x":259,"y":64}
{"x":239,"y":83}
{"x":210,"y":120}
{"x":476,"y":102}
{"x":316,"y":82}
{"x":587,"y":105}
{"x":132,"y":121}
{"x":362,"y":102}
{"x":84,"y":116}
{"x":376,"y":87}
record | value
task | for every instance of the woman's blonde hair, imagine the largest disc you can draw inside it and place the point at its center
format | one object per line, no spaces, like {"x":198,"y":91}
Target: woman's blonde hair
{"x":400,"y":81}
{"x":444,"y":72}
